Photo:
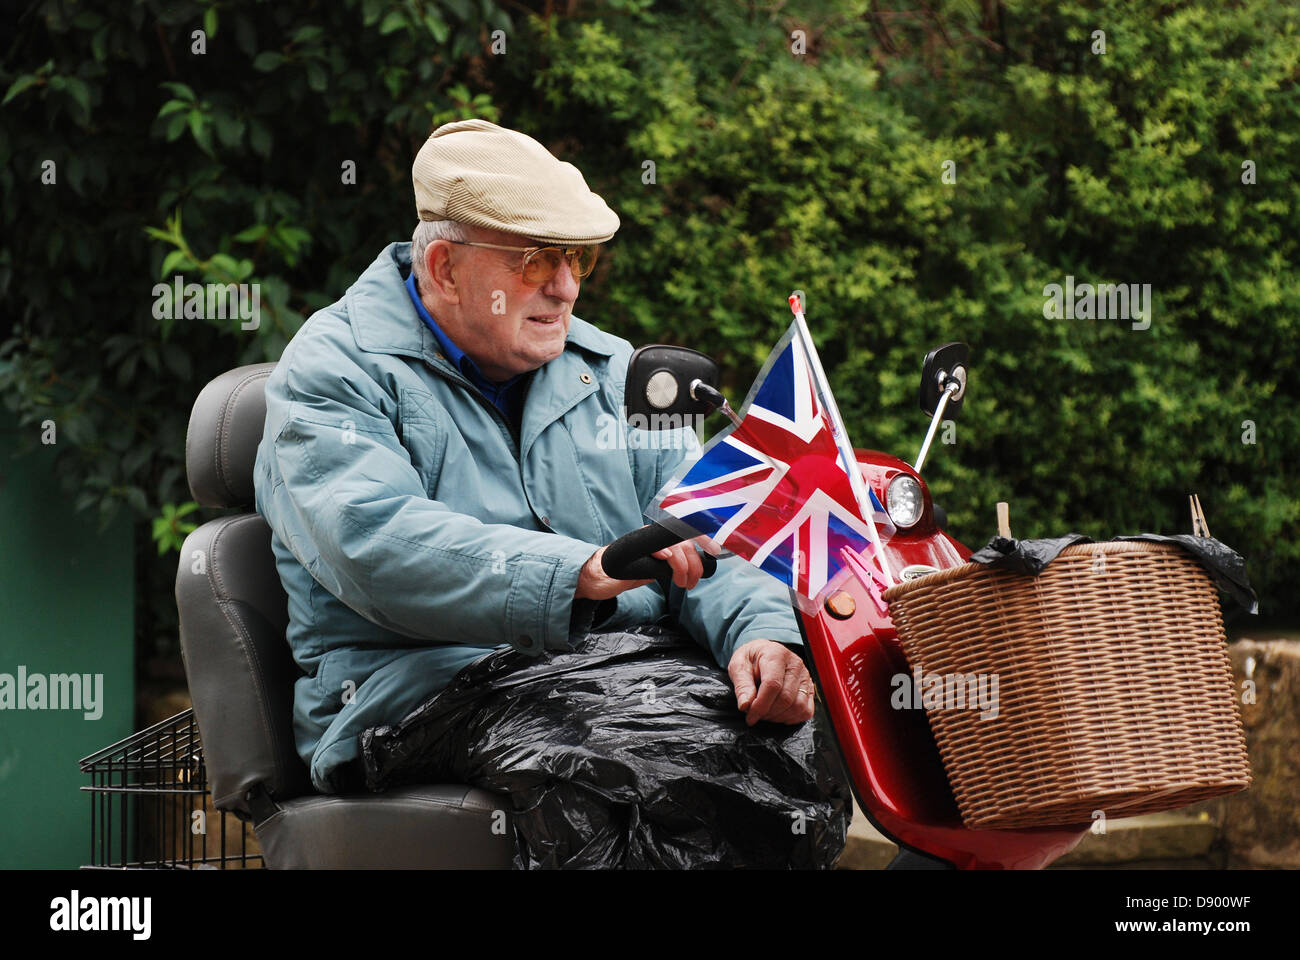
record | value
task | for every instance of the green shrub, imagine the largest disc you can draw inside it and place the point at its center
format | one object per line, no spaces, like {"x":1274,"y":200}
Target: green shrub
{"x":223,"y":166}
{"x":773,"y":170}
{"x":824,"y":172}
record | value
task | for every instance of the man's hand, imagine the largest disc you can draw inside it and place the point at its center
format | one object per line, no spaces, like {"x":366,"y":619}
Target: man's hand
{"x":594,"y":584}
{"x":771,"y":683}
{"x":685,"y":560}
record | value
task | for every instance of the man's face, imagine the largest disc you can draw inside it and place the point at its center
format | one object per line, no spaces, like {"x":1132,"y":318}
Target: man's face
{"x":506,"y":326}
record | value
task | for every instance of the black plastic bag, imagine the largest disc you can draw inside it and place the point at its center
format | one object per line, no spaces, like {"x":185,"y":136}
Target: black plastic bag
{"x":628,"y":751}
{"x":1223,"y":563}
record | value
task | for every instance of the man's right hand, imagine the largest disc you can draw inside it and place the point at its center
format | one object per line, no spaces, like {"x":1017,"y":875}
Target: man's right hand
{"x":595,"y":584}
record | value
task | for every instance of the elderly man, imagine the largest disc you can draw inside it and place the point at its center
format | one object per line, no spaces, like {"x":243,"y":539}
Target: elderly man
{"x":432,"y":472}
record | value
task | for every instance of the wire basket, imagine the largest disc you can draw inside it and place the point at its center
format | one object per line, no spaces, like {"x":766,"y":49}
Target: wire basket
{"x":1114,"y":688}
{"x":151,"y":809}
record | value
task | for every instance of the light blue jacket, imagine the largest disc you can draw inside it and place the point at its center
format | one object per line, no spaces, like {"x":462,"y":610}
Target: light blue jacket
{"x":413,"y":535}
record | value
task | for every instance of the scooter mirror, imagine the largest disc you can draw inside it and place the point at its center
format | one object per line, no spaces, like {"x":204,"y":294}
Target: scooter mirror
{"x":658,"y":390}
{"x":943,"y":365}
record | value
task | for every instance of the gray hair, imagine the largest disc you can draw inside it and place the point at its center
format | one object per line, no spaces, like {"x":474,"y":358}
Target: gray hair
{"x":427,"y":231}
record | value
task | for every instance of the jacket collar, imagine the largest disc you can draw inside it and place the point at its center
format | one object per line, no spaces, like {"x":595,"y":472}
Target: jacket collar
{"x":384,"y":320}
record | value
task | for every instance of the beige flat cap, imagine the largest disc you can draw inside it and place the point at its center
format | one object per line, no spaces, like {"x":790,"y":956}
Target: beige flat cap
{"x":476,"y":172}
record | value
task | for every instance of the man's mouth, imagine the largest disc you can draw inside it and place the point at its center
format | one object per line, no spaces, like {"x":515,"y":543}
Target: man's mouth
{"x":548,"y":320}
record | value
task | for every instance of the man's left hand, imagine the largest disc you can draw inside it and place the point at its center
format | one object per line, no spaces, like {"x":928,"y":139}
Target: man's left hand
{"x":771,"y":683}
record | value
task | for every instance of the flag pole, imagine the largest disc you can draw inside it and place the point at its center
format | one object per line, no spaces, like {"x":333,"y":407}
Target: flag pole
{"x":850,"y":461}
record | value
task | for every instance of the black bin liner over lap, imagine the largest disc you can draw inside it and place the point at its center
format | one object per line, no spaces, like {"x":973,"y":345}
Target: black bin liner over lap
{"x":628,"y":751}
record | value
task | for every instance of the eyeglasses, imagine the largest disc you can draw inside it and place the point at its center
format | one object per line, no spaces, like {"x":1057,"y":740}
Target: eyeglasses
{"x":541,"y":263}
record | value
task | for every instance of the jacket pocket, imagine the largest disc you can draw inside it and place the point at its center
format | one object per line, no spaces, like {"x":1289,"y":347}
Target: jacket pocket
{"x":423,"y":433}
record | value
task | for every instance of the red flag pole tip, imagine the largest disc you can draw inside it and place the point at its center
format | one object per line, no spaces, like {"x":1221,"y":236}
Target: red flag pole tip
{"x":795,"y":305}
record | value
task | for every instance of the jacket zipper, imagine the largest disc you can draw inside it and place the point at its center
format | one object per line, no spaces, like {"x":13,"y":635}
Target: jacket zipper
{"x":504,"y":427}
{"x":491,"y":408}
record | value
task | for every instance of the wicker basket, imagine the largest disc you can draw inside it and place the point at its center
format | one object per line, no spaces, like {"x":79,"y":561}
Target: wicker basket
{"x":1114,"y":687}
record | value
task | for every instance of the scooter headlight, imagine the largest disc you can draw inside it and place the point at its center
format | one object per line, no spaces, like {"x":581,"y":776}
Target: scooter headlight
{"x":904,"y":501}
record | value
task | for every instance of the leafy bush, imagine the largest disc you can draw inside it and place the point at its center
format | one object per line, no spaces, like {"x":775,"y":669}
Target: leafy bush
{"x":824,"y":172}
{"x":222,"y":166}
{"x":773,"y":169}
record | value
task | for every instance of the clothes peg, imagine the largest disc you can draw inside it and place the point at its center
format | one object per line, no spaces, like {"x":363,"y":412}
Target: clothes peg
{"x":1199,"y":527}
{"x":867,"y":575}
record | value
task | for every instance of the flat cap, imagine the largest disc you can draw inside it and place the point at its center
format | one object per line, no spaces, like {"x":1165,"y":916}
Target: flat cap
{"x":476,"y":172}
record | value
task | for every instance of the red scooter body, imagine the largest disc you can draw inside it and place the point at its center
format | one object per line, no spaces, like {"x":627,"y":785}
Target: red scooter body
{"x":891,"y":756}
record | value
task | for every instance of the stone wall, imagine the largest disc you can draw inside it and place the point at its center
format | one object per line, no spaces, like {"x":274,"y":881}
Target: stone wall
{"x":1260,"y":827}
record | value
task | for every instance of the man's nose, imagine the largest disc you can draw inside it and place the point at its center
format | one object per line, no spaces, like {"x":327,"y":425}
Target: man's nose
{"x":564,"y":285}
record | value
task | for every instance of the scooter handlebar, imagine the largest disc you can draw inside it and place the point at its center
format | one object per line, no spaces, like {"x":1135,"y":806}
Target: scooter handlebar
{"x":628,"y":557}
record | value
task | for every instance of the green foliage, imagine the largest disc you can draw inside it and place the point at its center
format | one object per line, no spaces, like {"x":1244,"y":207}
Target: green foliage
{"x":169,"y":531}
{"x":772,"y":171}
{"x":246,"y":144}
{"x":823,"y":172}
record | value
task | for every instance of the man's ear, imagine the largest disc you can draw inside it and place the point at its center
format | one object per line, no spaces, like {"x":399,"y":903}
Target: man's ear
{"x":438,"y":273}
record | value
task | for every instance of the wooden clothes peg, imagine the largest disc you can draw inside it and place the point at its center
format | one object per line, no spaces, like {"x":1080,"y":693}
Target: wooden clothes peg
{"x":1199,"y":527}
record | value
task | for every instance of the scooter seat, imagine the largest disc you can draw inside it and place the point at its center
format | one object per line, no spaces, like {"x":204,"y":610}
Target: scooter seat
{"x":415,"y":828}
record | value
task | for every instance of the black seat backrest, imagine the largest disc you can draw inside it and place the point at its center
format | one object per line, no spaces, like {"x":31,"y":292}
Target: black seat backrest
{"x":233,"y":608}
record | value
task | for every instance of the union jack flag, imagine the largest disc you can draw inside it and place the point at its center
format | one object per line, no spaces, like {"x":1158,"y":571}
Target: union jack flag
{"x":773,"y":489}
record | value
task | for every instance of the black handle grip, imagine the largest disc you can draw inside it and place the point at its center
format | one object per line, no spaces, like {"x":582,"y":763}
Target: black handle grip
{"x":628,"y":557}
